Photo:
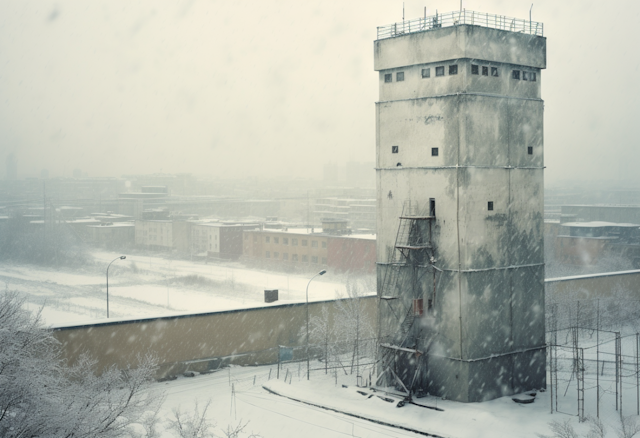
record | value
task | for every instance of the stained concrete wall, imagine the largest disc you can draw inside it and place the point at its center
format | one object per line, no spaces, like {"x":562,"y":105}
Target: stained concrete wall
{"x":200,"y":341}
{"x":484,"y":336}
{"x":464,"y":41}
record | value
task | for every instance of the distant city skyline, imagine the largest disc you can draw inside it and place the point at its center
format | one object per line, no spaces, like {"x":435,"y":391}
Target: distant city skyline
{"x":261,"y":89}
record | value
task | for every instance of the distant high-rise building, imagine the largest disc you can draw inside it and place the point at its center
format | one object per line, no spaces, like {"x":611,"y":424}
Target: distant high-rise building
{"x":460,"y":205}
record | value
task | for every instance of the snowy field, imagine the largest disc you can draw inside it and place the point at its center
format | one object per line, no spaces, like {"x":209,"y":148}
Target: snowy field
{"x":273,"y":415}
{"x":148,"y":286}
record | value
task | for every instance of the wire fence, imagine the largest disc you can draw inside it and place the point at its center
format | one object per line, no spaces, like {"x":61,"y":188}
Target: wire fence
{"x":593,"y":348}
{"x":457,"y":18}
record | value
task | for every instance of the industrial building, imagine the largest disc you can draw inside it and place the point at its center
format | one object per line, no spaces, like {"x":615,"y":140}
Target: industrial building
{"x":459,"y":145}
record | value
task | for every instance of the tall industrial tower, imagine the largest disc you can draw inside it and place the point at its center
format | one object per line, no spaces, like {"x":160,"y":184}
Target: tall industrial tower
{"x":459,"y":138}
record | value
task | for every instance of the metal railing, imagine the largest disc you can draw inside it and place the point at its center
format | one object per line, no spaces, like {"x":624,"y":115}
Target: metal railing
{"x":457,"y":18}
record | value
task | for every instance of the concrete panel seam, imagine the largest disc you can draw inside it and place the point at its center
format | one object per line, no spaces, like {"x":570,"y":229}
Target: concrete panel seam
{"x":464,"y":93}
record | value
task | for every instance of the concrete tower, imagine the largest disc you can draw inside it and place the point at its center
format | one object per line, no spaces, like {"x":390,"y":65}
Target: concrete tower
{"x":459,"y":138}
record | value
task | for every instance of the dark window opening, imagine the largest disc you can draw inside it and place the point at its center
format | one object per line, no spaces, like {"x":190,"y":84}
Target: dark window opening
{"x":400,"y":76}
{"x":432,"y":207}
{"x":388,"y":77}
{"x":426,"y":72}
{"x":515,"y":74}
{"x":429,"y":304}
{"x":434,"y":152}
{"x":453,"y":69}
{"x":530,"y":150}
{"x":394,"y":149}
{"x":525,"y":75}
{"x":532,"y":76}
{"x":494,"y":72}
{"x":475,"y":69}
{"x":490,"y":206}
{"x":485,"y":70}
{"x":399,"y":165}
{"x":440,"y":71}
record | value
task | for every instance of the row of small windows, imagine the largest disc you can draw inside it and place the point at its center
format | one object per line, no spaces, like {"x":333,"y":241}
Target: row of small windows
{"x":475,"y":70}
{"x":294,"y":241}
{"x":524,"y":75}
{"x":426,"y":73}
{"x":434,"y":153}
{"x":294,"y":257}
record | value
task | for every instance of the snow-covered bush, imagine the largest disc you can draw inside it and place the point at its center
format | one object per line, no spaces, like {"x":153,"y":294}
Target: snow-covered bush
{"x":42,"y":397}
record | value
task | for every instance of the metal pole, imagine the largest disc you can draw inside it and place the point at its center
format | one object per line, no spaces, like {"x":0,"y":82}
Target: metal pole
{"x":617,"y":372}
{"x":598,"y":361}
{"x":118,"y":258}
{"x":551,"y":377}
{"x":307,"y":306}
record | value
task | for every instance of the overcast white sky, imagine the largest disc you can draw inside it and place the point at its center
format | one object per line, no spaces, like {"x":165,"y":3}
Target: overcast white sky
{"x":238,"y":88}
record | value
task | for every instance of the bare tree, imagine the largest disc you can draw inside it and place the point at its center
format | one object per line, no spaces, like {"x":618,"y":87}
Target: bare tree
{"x":629,"y":427}
{"x":353,"y":325}
{"x":596,"y":428}
{"x":561,"y":429}
{"x":193,"y":424}
{"x":41,"y":396}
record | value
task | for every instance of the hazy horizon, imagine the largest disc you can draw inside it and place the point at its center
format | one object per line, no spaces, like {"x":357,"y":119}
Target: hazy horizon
{"x":269,"y":90}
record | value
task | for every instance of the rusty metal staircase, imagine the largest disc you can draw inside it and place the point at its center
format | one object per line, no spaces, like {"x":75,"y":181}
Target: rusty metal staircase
{"x":412,"y":248}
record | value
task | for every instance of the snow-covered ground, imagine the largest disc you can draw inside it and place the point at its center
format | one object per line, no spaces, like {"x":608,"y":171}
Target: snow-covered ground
{"x":272,"y":415}
{"x":148,"y":286}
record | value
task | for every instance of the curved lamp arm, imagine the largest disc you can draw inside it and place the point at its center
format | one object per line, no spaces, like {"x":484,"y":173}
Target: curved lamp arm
{"x":117,"y":258}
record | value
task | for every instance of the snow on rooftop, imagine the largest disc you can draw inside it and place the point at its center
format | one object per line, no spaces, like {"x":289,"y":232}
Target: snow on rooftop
{"x":113,"y":225}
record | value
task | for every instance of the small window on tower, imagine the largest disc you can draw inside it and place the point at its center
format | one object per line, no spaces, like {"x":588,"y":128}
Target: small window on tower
{"x":532,"y":76}
{"x":475,"y":70}
{"x":388,"y":77}
{"x":515,"y":74}
{"x":426,"y":72}
{"x":530,"y":150}
{"x":440,"y":71}
{"x":494,"y":72}
{"x":485,"y":70}
{"x":453,"y":69}
{"x":394,"y":149}
{"x":434,"y":152}
{"x":400,"y":76}
{"x":490,"y":206}
{"x":525,"y":75}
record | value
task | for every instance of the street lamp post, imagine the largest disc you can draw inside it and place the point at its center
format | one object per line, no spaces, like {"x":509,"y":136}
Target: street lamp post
{"x":118,"y":258}
{"x":319,"y":273}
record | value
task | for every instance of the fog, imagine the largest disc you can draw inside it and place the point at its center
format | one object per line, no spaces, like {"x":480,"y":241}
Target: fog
{"x":275,"y":89}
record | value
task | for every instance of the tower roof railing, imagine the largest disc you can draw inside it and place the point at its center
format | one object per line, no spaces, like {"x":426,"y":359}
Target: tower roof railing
{"x":458,"y":18}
